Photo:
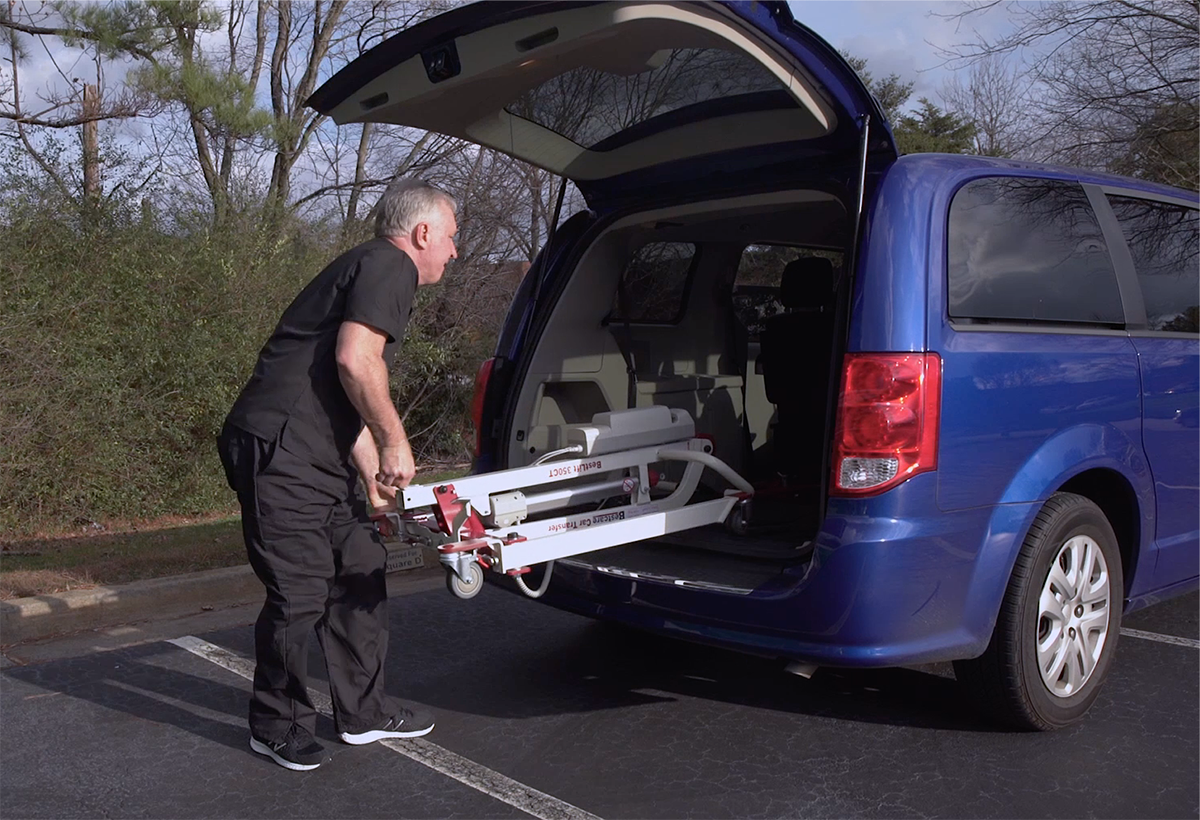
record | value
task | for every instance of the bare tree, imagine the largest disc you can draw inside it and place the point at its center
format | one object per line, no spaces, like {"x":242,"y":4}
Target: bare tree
{"x":994,"y":97}
{"x":309,"y":35}
{"x":216,"y":100}
{"x":1116,"y":82}
{"x":294,"y":123}
{"x":345,"y":177}
{"x":360,"y":175}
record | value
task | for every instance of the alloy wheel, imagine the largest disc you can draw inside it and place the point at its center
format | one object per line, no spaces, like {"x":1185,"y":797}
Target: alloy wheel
{"x":1073,"y":616}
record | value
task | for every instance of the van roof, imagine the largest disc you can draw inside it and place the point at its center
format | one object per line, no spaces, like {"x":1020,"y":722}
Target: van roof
{"x":945,"y":164}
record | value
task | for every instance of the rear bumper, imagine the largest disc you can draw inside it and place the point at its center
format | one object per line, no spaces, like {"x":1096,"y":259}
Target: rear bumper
{"x":892,"y":581}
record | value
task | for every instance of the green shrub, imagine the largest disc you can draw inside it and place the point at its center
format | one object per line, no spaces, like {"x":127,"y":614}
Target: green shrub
{"x":126,"y":338}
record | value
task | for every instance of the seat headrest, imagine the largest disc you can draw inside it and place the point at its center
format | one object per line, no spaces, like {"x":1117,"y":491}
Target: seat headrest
{"x":807,"y":283}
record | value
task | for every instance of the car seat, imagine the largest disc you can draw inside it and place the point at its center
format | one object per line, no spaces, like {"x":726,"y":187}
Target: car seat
{"x":796,"y":349}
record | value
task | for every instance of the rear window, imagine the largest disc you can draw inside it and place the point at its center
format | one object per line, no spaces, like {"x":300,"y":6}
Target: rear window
{"x":1029,"y":250}
{"x":759,"y":276}
{"x":591,"y":106}
{"x":653,"y":287}
{"x":1163,"y":240}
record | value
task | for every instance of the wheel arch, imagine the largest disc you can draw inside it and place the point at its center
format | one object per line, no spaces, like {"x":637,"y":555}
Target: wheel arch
{"x":1115,"y":496}
{"x":1097,"y":462}
{"x":1105,"y":465}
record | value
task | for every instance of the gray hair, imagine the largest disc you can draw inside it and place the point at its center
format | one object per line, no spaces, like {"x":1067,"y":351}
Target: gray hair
{"x":407,"y":203}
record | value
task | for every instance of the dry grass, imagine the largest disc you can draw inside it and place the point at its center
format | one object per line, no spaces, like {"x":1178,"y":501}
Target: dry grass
{"x":28,"y":582}
{"x":55,"y":564}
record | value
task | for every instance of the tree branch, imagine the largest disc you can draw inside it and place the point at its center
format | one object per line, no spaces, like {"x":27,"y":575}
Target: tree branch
{"x":82,"y":34}
{"x":69,"y":122}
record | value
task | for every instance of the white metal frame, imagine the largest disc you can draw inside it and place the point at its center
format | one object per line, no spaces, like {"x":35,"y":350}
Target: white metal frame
{"x":516,"y":546}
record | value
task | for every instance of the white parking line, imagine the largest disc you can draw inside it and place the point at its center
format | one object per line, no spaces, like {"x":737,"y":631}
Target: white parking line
{"x":469,"y":773}
{"x":1154,"y":636}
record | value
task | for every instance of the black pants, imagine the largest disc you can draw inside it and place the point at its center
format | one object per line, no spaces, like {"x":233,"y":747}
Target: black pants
{"x":313,"y":547}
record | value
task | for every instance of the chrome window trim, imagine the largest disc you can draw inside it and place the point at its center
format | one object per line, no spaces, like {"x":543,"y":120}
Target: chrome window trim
{"x":1049,"y":329}
{"x":1163,"y":334}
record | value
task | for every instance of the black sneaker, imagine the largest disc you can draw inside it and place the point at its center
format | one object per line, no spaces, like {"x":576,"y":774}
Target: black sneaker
{"x":297,"y":751}
{"x":404,"y":723}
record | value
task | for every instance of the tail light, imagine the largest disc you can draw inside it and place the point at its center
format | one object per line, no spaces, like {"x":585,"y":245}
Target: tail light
{"x":481,"y":382}
{"x":887,"y":421}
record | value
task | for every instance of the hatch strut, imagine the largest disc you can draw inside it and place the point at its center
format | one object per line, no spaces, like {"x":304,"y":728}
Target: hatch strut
{"x":841,"y":318}
{"x":498,"y":520}
{"x":544,"y":256}
{"x":631,"y":378}
{"x":863,"y":147}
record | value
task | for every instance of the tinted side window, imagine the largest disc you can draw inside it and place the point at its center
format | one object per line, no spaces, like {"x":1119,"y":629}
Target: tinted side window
{"x":1163,"y":240}
{"x":654,"y":283}
{"x":1029,"y":250}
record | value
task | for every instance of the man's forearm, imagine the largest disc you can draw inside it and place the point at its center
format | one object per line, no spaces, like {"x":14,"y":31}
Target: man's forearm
{"x":364,"y":376}
{"x":365,"y":457}
{"x":365,"y":381}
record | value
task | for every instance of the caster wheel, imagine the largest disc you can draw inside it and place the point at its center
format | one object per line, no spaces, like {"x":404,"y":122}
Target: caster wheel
{"x":468,"y":588}
{"x":738,"y":521}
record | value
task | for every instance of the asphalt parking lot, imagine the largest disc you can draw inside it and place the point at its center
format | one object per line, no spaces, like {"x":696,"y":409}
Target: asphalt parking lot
{"x":547,"y":714}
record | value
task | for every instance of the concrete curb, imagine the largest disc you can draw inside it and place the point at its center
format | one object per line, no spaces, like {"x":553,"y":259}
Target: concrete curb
{"x":43,"y":616}
{"x":28,"y":619}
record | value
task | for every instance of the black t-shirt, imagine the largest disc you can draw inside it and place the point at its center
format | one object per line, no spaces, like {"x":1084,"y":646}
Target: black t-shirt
{"x":295,"y":389}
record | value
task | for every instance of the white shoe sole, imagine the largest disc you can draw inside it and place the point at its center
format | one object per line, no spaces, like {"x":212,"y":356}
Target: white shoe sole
{"x":363,"y":738}
{"x":264,"y":749}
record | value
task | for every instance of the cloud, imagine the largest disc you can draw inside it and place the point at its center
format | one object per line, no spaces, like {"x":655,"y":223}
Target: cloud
{"x":900,"y":37}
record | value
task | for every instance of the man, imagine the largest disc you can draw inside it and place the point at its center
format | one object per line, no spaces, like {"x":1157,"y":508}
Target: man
{"x":316,"y":416}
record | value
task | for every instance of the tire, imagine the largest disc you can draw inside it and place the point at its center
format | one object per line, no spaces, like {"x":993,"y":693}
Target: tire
{"x":1035,"y":672}
{"x":469,"y":588}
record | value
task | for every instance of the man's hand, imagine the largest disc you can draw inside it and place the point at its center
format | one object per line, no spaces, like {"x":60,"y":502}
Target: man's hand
{"x":396,"y":466}
{"x":382,"y":497}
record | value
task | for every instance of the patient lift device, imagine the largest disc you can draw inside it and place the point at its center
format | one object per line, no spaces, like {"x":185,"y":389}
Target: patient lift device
{"x":497,"y":520}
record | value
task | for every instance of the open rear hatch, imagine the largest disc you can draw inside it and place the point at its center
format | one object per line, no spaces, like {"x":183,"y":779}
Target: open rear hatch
{"x":616,"y":95}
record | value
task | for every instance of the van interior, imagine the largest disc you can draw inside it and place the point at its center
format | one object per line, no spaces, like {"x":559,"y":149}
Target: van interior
{"x":725,"y":309}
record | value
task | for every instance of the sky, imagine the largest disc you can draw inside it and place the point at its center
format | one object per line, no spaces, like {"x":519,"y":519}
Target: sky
{"x":895,"y":36}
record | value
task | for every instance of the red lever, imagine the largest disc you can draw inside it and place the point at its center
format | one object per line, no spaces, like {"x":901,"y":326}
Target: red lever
{"x":456,"y":518}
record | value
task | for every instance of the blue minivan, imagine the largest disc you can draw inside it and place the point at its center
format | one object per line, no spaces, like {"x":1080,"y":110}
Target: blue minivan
{"x":965,"y":389}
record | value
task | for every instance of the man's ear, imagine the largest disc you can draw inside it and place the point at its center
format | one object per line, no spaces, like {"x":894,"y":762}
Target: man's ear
{"x":421,"y":235}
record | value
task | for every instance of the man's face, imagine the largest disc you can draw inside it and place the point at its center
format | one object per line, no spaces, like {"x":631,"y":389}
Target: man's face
{"x":439,"y":247}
